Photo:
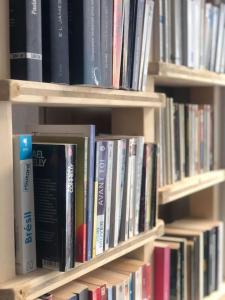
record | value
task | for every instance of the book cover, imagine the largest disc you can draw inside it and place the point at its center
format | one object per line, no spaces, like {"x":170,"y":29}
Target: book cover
{"x":55,"y":37}
{"x":162,"y":273}
{"x":54,"y":194}
{"x":24,"y":204}
{"x":26,"y":40}
{"x":118,"y":21}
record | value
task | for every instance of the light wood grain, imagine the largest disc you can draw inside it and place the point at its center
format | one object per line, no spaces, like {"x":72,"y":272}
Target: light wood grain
{"x":7,"y":246}
{"x":190,"y":185}
{"x":174,"y":75}
{"x":48,"y":94}
{"x":35,"y":284}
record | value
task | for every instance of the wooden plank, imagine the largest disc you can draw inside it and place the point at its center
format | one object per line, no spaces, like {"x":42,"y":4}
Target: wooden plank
{"x":35,"y":284}
{"x":175,"y":75}
{"x":7,"y":246}
{"x":190,"y":185}
{"x":48,"y":94}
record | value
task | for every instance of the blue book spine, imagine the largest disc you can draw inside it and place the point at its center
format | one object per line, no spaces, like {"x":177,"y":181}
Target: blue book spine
{"x":90,"y":192}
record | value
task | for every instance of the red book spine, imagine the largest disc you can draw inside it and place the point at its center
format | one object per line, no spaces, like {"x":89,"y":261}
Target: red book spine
{"x":146,"y":280}
{"x":81,"y":243}
{"x":94,"y":295}
{"x":161,"y":273}
{"x":117,"y":41}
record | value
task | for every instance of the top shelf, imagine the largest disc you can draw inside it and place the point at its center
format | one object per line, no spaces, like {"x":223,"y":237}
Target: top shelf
{"x":174,"y":75}
{"x":49,"y":94}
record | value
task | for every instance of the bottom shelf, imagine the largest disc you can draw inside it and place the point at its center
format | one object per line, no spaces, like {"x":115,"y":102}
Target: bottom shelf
{"x":35,"y":284}
{"x":217,"y":295}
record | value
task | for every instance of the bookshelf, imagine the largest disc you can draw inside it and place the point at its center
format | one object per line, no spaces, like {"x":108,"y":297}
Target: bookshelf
{"x":190,"y":185}
{"x":35,"y":284}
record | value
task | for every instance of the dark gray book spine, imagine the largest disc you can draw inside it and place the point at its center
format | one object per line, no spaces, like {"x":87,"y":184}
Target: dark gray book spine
{"x":59,"y":41}
{"x":138,"y":43}
{"x":26,"y":40}
{"x":106,"y":42}
{"x":92,"y":53}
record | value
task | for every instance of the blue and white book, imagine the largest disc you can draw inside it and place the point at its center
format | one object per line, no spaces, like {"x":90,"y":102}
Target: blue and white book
{"x":24,"y":204}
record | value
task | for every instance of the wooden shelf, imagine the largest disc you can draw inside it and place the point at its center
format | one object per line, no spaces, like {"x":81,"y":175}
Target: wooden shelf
{"x":217,"y":295}
{"x":48,"y":94}
{"x":175,"y":75}
{"x":35,"y":284}
{"x":190,"y":185}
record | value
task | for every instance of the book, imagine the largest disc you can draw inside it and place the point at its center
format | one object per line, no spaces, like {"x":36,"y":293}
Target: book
{"x":219,"y":38}
{"x":97,"y":285}
{"x":78,"y":131}
{"x":4,"y":33}
{"x":55,"y":39}
{"x":215,"y":20}
{"x":46,"y":297}
{"x":158,"y":32}
{"x":24,"y":204}
{"x":54,"y":194}
{"x":26,"y":40}
{"x":176,"y":32}
{"x":118,"y":21}
{"x":106,"y":42}
{"x":71,"y":291}
{"x":162,"y":275}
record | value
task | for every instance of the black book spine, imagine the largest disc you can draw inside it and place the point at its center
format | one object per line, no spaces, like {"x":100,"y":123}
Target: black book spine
{"x":206,"y":262}
{"x":154,"y":179}
{"x":142,"y":212}
{"x":106,"y":42}
{"x":26,"y":40}
{"x":187,"y":148}
{"x":177,"y":141}
{"x":57,"y":40}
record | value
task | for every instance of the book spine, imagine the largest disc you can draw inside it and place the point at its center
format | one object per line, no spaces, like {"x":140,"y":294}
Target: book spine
{"x":214,"y":37}
{"x":110,"y":162}
{"x":124,"y":225}
{"x":167,"y":30}
{"x":142,"y":212}
{"x":95,"y":200}
{"x":132,"y":188}
{"x":158,"y":32}
{"x":154,"y":186}
{"x":208,"y":33}
{"x":70,"y":155}
{"x":24,"y":205}
{"x":118,"y":21}
{"x":138,"y":179}
{"x":81,"y":200}
{"x":138,"y":43}
{"x":26,"y":40}
{"x":148,"y":46}
{"x":106,"y":42}
{"x":220,"y":37}
{"x":90,"y":206}
{"x":146,"y":282}
{"x":176,"y":40}
{"x":92,"y":53}
{"x":58,"y":41}
{"x":202,"y":33}
{"x":124,"y":77}
{"x":148,"y":187}
{"x":177,"y":142}
{"x":4,"y":44}
{"x":101,"y":201}
{"x":144,"y":41}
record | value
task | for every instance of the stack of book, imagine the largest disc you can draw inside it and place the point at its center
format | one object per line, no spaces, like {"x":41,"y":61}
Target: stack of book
{"x":189,"y":259}
{"x":103,"y":43}
{"x":122,"y":279}
{"x":90,"y":193}
{"x":184,"y":133}
{"x":190,"y":33}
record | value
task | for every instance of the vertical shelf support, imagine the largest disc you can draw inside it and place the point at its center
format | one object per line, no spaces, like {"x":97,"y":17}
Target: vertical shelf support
{"x":7,"y":245}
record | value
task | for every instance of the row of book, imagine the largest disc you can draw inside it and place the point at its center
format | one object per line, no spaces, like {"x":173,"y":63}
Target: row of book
{"x":103,"y":43}
{"x":184,"y":133}
{"x":84,"y":193}
{"x":123,"y":279}
{"x":189,"y":259}
{"x":190,"y":33}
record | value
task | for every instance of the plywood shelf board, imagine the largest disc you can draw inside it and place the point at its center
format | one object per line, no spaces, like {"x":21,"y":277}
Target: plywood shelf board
{"x":176,"y":75}
{"x":35,"y":284}
{"x":49,"y":94}
{"x":190,"y":185}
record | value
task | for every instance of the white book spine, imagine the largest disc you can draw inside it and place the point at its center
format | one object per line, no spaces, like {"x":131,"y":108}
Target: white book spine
{"x":214,"y":38}
{"x":219,"y":43}
{"x":24,"y":205}
{"x":167,"y":30}
{"x":138,"y":179}
{"x":108,"y":192}
{"x":202,"y":33}
{"x":208,"y":33}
